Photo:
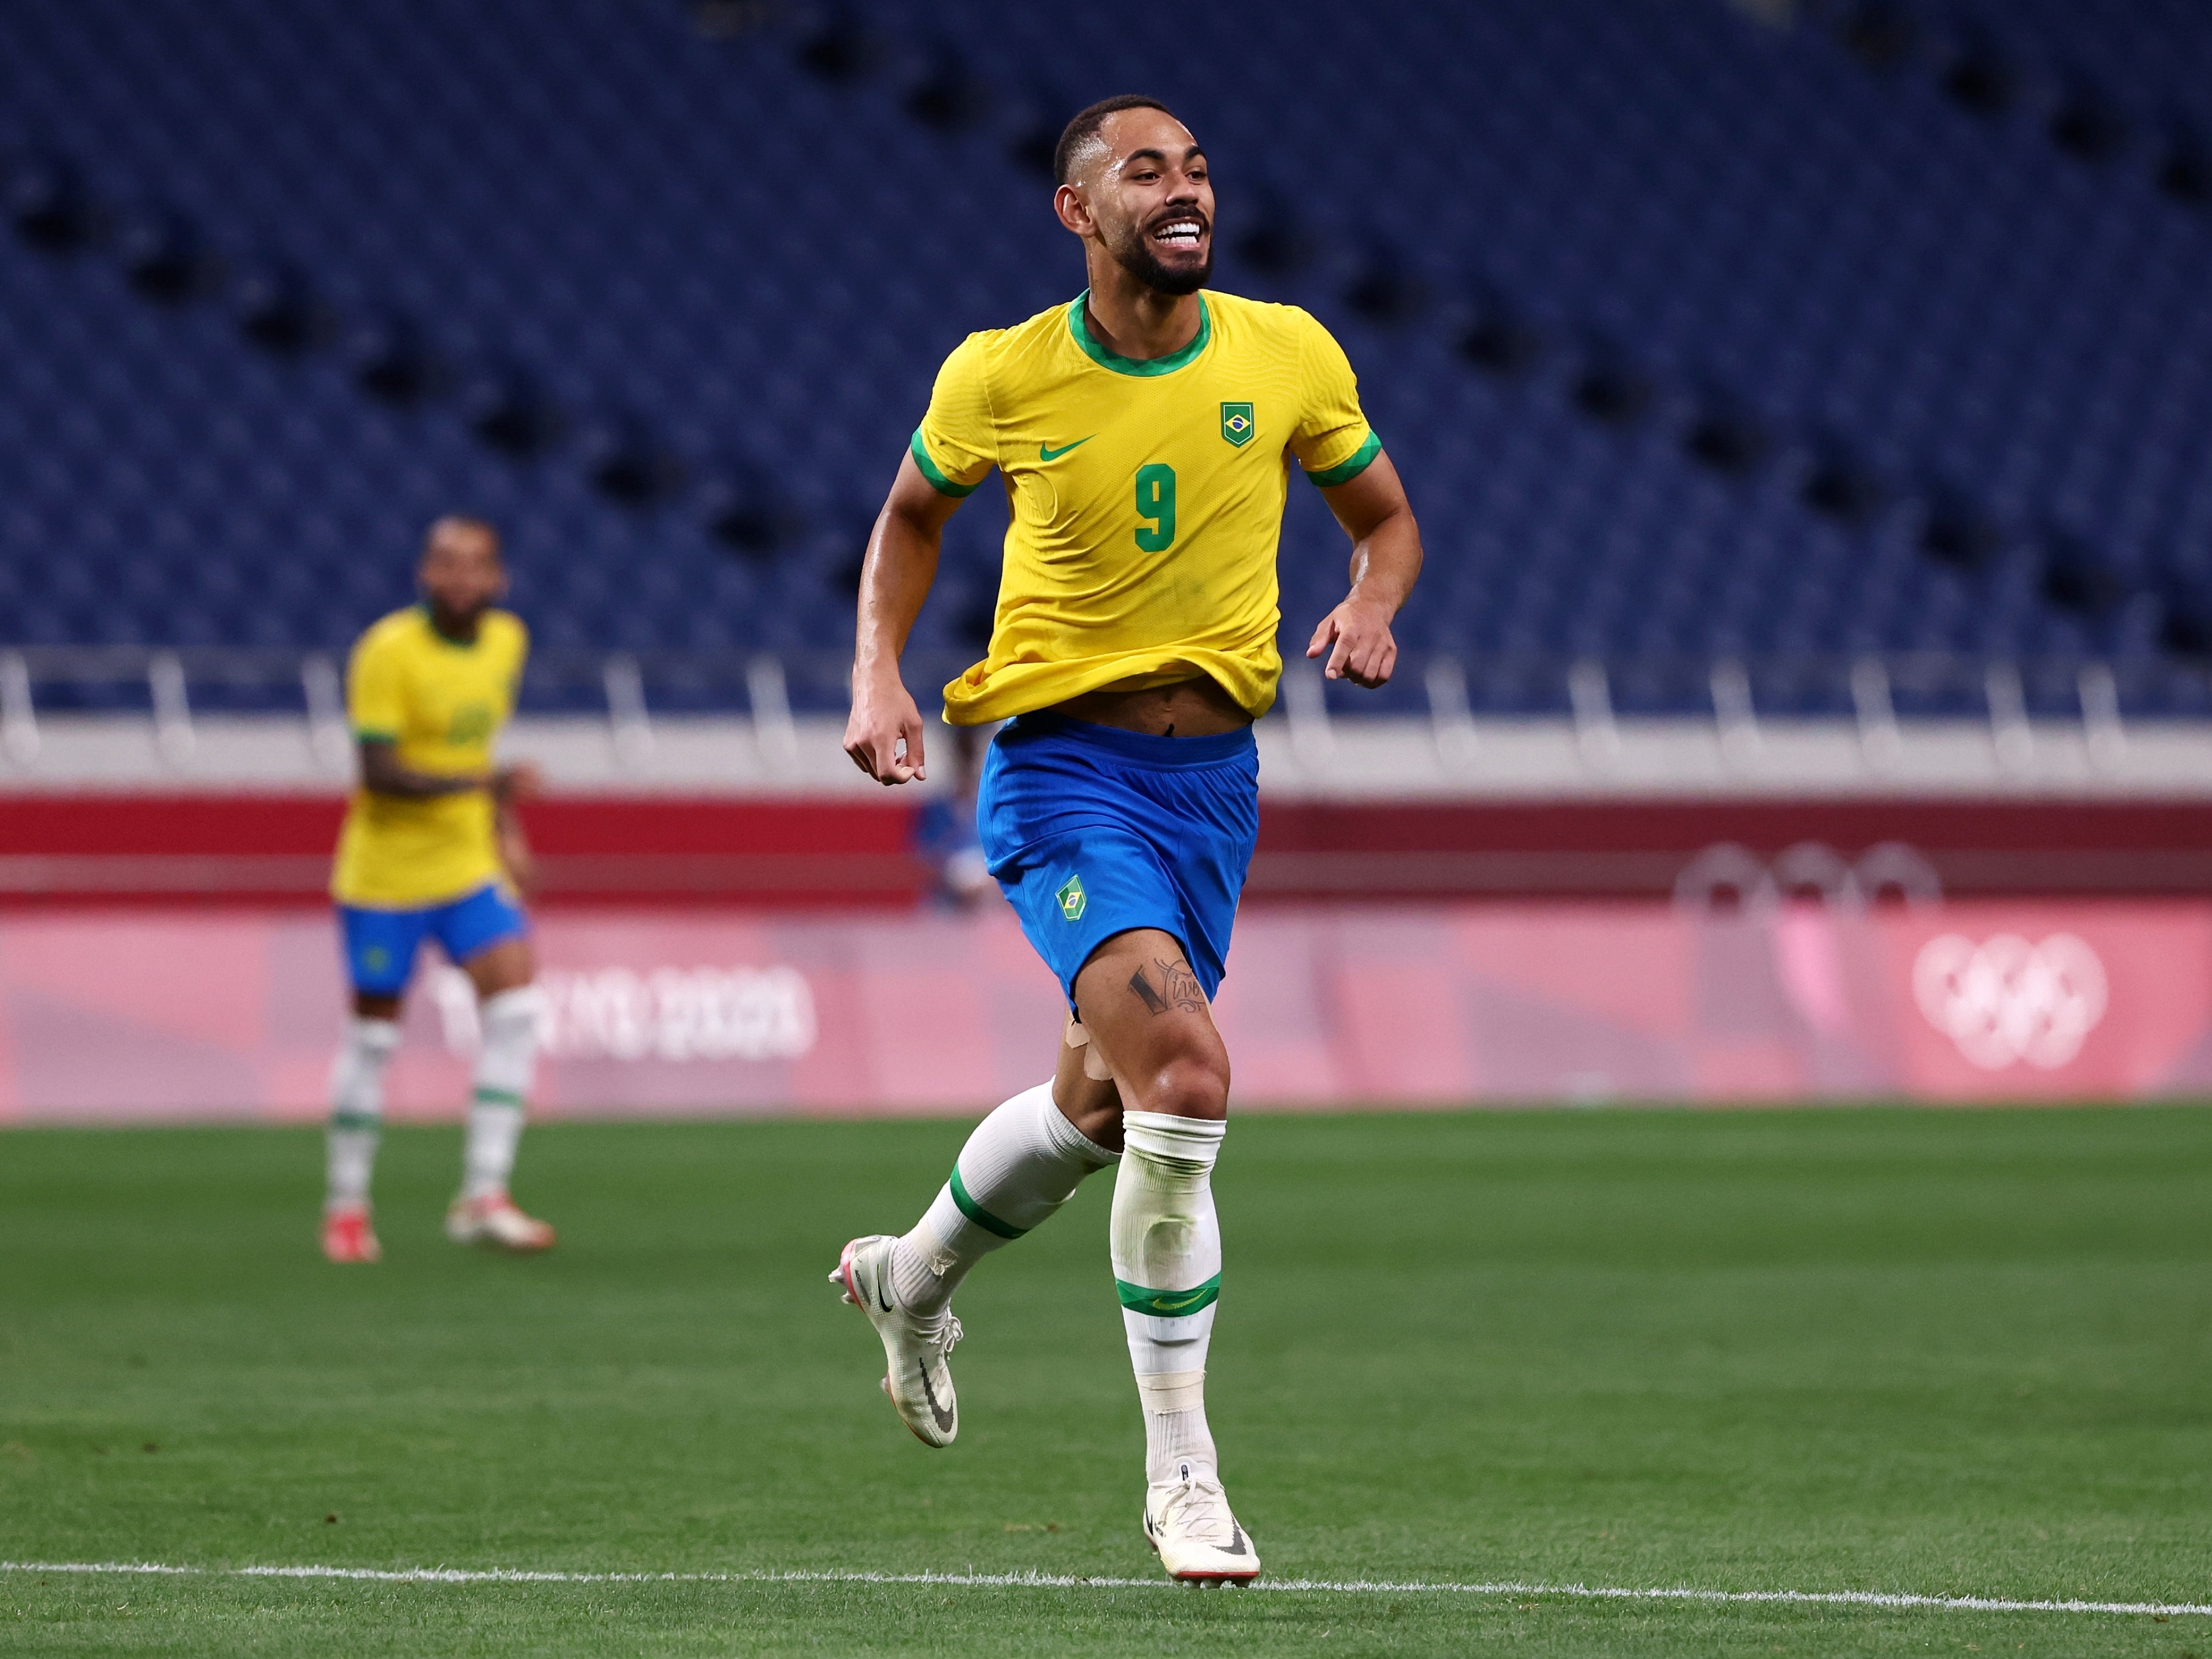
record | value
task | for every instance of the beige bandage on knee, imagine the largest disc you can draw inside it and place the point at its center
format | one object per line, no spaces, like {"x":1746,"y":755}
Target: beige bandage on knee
{"x":1094,"y":1063}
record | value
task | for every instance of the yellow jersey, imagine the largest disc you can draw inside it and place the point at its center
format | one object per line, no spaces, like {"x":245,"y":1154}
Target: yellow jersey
{"x":441,"y":703}
{"x":1147,"y":497}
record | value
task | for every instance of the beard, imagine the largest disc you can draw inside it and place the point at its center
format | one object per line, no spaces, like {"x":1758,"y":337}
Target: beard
{"x":1136,"y":256}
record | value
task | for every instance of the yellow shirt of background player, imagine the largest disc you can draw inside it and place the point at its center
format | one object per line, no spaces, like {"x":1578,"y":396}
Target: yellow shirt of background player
{"x":443,"y":703}
{"x":1147,"y":497}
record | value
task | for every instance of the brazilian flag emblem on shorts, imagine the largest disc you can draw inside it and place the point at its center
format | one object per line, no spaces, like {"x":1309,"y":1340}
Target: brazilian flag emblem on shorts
{"x":1236,"y":424}
{"x":1072,"y":898}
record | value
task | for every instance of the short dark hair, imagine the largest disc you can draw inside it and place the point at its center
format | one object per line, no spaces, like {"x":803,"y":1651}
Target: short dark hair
{"x":467,"y":521}
{"x":1084,"y":128}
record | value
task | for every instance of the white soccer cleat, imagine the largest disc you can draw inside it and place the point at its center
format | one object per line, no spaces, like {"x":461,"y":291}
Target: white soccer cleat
{"x":1188,"y":1521}
{"x":918,"y":1381}
{"x":494,"y":1220}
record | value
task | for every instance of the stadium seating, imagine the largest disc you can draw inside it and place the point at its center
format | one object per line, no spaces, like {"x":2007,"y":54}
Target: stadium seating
{"x":1694,"y":338}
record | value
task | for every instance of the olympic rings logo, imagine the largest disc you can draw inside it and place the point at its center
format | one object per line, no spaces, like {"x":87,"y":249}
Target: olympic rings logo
{"x":2006,"y":1000}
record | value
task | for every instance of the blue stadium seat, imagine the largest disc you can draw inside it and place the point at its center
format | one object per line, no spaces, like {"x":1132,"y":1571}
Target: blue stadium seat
{"x":1669,"y":319}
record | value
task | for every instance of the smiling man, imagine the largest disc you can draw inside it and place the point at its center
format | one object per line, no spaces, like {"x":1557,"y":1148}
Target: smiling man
{"x":1145,"y":432}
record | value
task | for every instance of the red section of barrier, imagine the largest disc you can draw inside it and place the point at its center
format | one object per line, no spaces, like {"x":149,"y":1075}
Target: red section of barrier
{"x":134,"y":825}
{"x":137,"y":1015}
{"x":829,"y":852}
{"x":1617,"y":848}
{"x":277,"y":849}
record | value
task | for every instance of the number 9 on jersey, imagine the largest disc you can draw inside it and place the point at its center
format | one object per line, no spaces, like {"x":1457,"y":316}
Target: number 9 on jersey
{"x":1155,"y":502}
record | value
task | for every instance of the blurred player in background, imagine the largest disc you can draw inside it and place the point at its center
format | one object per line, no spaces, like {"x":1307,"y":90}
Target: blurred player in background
{"x":945,"y":833}
{"x":1145,"y":433}
{"x":431,"y":849}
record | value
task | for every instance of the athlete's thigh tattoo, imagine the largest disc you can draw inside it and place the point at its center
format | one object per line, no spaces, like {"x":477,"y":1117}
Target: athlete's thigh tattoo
{"x":1166,"y":984}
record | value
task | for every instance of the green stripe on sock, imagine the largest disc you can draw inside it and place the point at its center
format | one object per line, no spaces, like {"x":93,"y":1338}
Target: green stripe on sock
{"x":497,"y":1097}
{"x":355,"y":1121}
{"x":976,"y":1213}
{"x":1169,"y":1304}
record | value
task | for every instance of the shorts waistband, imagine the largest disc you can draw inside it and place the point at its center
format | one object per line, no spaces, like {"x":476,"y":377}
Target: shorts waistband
{"x":1208,"y":751}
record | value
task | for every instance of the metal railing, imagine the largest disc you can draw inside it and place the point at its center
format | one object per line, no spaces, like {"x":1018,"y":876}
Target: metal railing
{"x":173,"y":687}
{"x":1884,"y":694}
{"x":633,"y":690}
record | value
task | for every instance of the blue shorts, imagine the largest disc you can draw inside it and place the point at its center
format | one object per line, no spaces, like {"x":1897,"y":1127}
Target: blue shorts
{"x":380,"y":945}
{"x":1092,"y":831}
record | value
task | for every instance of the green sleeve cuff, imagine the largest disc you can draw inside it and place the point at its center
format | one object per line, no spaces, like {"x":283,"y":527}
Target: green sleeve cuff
{"x":369,"y":734}
{"x":937,"y":481}
{"x":1345,"y":471}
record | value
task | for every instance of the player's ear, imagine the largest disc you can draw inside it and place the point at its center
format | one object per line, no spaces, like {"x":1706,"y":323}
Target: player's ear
{"x":1074,"y":213}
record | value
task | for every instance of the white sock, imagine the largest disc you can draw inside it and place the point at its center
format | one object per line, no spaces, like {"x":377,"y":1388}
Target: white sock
{"x":356,"y":1110}
{"x":1166,"y":1242}
{"x":1017,"y":1167}
{"x":505,"y":1063}
{"x":1177,"y":1442}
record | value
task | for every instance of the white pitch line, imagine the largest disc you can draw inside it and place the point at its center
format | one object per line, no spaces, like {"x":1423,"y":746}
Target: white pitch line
{"x":1063,"y":1580}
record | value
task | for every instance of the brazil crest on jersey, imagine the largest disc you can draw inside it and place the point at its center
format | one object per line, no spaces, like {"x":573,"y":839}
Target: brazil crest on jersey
{"x":1146,"y":497}
{"x":441,"y":702}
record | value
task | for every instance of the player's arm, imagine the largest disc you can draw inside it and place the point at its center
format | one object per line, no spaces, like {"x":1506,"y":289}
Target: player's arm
{"x":1386,"y":559}
{"x":510,"y":785}
{"x":382,"y":774}
{"x":884,"y":737}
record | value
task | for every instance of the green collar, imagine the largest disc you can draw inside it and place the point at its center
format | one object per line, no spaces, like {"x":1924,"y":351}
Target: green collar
{"x":1174,"y":360}
{"x":430,"y":621}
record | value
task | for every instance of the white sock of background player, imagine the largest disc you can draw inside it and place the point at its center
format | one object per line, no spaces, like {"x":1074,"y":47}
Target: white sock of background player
{"x":505,"y":1064}
{"x":1166,"y":1245}
{"x":356,"y":1110}
{"x":1017,"y":1167}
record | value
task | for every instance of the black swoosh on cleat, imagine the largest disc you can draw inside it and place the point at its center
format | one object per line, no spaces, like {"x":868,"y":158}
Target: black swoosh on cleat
{"x":882,"y":1297}
{"x":945,"y":1418}
{"x":1235,"y":1540}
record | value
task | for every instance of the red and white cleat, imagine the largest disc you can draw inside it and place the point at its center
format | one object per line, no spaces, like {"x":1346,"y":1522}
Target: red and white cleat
{"x":917,"y":1376}
{"x":494,"y":1220}
{"x":347,"y":1236}
{"x":1188,"y":1521}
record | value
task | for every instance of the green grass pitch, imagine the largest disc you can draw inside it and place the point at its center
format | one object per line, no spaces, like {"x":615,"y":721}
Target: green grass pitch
{"x":1947,"y":1352}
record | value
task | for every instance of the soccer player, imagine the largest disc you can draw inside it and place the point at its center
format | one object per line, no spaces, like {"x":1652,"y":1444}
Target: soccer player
{"x":1144,"y":432}
{"x":431,"y":850}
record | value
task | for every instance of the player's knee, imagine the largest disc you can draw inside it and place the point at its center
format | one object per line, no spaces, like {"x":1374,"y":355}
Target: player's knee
{"x":513,"y":1015}
{"x":1192,"y":1085}
{"x":503,"y":969}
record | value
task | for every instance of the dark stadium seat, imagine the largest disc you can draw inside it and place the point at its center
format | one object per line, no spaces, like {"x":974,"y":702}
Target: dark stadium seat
{"x":1691,"y":337}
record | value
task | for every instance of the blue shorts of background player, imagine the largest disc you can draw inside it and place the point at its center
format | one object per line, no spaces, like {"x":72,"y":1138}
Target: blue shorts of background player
{"x":1092,"y":831}
{"x":380,"y":945}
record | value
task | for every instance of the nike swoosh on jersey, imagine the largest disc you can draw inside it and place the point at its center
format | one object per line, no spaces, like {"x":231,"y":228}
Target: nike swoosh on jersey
{"x":1047,"y":453}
